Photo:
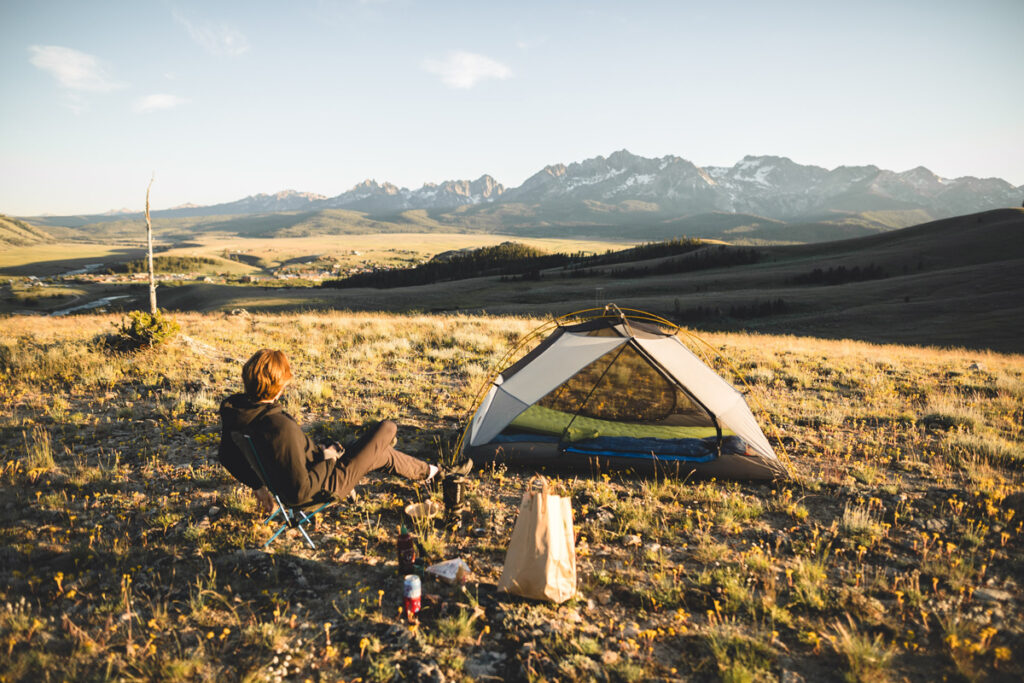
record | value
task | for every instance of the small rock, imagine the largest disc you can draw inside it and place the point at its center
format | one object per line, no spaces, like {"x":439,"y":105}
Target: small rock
{"x":398,"y":635}
{"x":418,"y":670}
{"x":935,"y":525}
{"x":1015,"y":502}
{"x":572,"y":616}
{"x":213,"y":511}
{"x":485,"y":665}
{"x":992,"y":595}
{"x":632,"y":630}
{"x":609,"y":657}
{"x":631,"y":540}
{"x":976,"y":366}
{"x":653,"y":548}
{"x":790,"y":677}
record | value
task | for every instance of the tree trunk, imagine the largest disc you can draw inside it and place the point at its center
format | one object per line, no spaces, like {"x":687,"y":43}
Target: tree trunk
{"x":149,"y":239}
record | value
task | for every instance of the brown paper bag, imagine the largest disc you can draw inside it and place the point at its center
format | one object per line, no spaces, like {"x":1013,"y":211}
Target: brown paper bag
{"x":541,"y":558}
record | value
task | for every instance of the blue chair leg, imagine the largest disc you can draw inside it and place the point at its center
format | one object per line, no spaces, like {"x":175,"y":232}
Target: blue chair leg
{"x":289,"y":519}
{"x":276,"y":534}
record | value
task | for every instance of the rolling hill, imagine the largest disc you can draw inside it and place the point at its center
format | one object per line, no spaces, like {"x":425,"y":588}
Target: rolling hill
{"x":18,"y":233}
{"x":950,"y":282}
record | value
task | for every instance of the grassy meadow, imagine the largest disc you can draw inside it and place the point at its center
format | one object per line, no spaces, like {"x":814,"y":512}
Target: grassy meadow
{"x":128,"y":553}
{"x":392,"y":249}
{"x":257,"y":253}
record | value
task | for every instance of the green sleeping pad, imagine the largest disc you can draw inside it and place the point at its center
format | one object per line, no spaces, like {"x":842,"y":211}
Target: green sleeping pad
{"x":553,"y":422}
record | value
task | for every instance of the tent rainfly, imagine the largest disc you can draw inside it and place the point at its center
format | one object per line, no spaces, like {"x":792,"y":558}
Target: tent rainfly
{"x":621,"y":392}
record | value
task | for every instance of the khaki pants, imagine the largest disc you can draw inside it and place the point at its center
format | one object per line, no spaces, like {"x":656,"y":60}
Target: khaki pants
{"x":373,"y":451}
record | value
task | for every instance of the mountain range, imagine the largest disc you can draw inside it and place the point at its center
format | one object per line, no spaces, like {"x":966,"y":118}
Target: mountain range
{"x":623,"y":189}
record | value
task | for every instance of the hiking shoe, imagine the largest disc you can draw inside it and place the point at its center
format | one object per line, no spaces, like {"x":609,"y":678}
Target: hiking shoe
{"x":460,"y":470}
{"x":438,"y":473}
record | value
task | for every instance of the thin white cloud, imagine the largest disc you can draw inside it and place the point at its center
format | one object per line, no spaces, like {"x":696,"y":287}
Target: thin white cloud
{"x":218,"y":39}
{"x":463,"y":70}
{"x":156,"y":102}
{"x":73,"y":70}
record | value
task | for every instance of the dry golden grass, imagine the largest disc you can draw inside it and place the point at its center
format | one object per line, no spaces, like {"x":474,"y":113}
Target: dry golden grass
{"x":894,"y":553}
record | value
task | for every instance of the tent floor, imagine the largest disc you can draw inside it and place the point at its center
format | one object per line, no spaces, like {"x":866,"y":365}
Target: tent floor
{"x":549,"y":456}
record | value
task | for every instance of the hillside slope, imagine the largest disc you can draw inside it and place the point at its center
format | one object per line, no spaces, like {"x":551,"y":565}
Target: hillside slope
{"x":950,"y":282}
{"x":18,"y":233}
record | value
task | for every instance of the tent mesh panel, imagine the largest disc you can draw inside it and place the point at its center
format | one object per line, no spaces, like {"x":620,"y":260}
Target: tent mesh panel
{"x":623,"y":386}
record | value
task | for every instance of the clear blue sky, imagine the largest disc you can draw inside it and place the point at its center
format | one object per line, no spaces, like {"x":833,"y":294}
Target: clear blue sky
{"x":226,"y":99}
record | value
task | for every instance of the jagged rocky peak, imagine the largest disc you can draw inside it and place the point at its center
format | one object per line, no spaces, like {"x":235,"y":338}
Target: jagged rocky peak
{"x":295,"y":194}
{"x":622,"y":158}
{"x":540,"y":182}
{"x":764,"y":185}
{"x":553,"y":170}
{"x":486,"y":187}
{"x":375,"y":187}
{"x":854,"y":173}
{"x":921,"y":177}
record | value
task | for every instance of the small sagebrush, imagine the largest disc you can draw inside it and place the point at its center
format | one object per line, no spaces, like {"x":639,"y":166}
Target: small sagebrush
{"x":139,"y":330}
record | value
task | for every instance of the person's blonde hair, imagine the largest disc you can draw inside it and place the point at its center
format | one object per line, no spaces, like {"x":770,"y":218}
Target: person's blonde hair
{"x":265,"y":374}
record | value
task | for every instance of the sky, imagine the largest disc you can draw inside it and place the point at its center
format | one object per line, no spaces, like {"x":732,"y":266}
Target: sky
{"x":219,"y":100}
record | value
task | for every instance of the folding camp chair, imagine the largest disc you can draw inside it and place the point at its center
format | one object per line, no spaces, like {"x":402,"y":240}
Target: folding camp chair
{"x":295,"y":515}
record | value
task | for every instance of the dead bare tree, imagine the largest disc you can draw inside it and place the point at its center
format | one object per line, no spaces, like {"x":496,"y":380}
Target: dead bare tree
{"x":149,"y":239}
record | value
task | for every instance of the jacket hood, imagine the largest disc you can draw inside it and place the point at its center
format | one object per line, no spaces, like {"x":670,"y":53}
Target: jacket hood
{"x":238,"y":411}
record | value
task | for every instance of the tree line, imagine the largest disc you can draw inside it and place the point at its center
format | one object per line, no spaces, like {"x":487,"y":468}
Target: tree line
{"x":753,"y":309}
{"x":163,"y":264}
{"x":840,"y":275}
{"x":510,"y":261}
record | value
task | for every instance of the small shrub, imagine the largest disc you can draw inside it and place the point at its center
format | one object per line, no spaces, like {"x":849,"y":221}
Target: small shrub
{"x":38,"y":451}
{"x":860,"y":524}
{"x":740,"y":654}
{"x":138,"y":330}
{"x":868,"y":658}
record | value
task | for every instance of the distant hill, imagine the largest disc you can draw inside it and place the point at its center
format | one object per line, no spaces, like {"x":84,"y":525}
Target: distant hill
{"x":18,"y":233}
{"x":950,"y":282}
{"x":773,"y":199}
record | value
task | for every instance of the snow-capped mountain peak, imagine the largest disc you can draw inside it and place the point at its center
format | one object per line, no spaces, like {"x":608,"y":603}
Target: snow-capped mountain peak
{"x":765,"y":185}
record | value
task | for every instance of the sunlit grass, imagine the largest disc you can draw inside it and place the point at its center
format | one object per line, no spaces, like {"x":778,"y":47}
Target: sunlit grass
{"x":866,"y":564}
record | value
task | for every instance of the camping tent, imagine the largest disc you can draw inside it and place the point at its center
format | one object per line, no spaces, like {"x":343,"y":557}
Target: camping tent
{"x":622,"y":392}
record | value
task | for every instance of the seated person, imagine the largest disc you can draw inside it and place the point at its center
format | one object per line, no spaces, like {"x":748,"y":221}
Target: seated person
{"x":297,"y":468}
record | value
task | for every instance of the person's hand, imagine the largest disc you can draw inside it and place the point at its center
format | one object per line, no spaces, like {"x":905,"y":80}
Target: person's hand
{"x":264,"y":498}
{"x":333,"y":451}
